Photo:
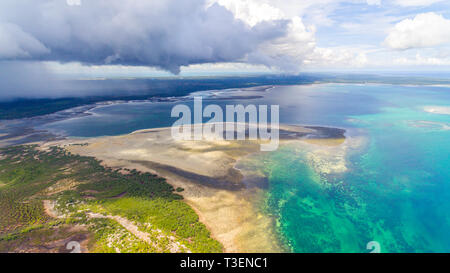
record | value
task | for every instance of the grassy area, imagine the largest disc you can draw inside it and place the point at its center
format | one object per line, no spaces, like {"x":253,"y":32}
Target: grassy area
{"x":79,"y":187}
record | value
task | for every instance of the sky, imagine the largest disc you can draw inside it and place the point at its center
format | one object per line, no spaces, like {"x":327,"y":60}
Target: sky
{"x":44,"y":39}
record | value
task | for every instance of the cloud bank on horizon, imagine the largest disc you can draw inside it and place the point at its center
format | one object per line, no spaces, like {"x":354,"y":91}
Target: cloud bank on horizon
{"x":287,"y":36}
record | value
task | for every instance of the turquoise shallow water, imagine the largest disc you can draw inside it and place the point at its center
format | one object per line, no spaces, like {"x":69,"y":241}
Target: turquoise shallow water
{"x":397,"y":188}
{"x":397,"y":191}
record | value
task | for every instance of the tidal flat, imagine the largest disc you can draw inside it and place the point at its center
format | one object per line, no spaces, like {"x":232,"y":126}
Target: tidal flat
{"x":386,"y":182}
{"x":226,"y":196}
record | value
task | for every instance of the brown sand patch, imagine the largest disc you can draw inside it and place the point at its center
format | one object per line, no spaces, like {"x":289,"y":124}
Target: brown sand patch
{"x":49,"y":207}
{"x":205,"y":169}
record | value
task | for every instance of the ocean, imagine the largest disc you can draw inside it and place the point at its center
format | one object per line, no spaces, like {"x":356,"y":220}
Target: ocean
{"x":395,"y":190}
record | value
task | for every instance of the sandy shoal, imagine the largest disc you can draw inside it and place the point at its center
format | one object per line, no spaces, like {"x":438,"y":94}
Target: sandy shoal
{"x":205,"y":170}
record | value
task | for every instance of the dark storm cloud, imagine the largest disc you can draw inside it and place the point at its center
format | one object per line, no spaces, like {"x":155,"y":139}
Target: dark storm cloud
{"x":165,"y":34}
{"x":21,"y":79}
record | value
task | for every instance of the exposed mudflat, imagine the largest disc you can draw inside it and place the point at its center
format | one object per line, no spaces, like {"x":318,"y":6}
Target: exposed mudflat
{"x":205,"y":169}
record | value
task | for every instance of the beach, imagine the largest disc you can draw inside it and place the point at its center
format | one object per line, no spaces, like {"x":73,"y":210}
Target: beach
{"x":323,"y":190}
{"x":227,"y":200}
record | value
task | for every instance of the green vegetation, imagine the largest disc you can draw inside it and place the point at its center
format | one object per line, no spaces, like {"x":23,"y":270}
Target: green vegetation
{"x":91,"y":200}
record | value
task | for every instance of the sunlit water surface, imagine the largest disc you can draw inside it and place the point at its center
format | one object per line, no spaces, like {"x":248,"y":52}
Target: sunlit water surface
{"x":397,"y":187}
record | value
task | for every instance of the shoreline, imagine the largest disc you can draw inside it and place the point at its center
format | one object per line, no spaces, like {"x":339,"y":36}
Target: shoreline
{"x":216,"y":191}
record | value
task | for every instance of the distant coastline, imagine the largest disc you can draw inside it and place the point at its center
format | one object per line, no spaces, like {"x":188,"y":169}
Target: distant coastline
{"x":16,"y":130}
{"x":142,"y":89}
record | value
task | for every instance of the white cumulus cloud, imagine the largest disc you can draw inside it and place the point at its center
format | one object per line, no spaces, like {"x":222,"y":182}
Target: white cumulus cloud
{"x":424,"y":30}
{"x":374,"y":2}
{"x":416,"y":3}
{"x":297,"y":49}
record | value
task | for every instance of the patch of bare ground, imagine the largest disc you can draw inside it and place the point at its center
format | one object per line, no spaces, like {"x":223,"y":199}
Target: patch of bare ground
{"x":175,"y":247}
{"x":61,"y":186}
{"x":56,"y":240}
{"x":49,"y":207}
